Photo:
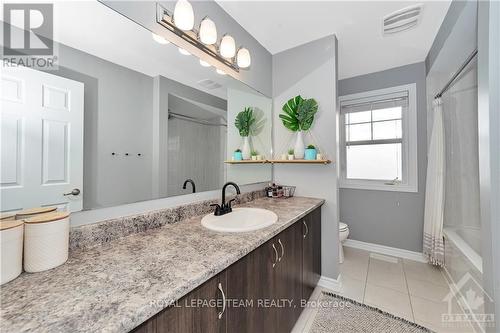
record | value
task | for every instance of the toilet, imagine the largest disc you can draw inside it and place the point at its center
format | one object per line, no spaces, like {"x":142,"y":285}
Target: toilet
{"x":343,"y":234}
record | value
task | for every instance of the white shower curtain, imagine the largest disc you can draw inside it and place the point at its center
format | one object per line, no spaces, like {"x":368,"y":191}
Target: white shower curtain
{"x":434,"y":191}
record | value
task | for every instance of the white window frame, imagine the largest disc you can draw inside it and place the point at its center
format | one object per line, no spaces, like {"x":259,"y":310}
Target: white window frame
{"x":409,"y":145}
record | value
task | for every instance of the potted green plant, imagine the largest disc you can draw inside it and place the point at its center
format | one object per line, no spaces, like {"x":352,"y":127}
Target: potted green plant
{"x":237,"y":155}
{"x":290,"y":154}
{"x":243,"y":122}
{"x":310,"y":153}
{"x":254,"y":154}
{"x":298,"y":116}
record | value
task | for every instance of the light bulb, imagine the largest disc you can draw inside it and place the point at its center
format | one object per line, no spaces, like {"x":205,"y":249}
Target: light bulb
{"x":183,"y":15}
{"x":159,"y":39}
{"x":204,"y":63}
{"x":208,"y":31}
{"x":182,"y":51}
{"x":220,"y":71}
{"x":243,"y":58}
{"x":227,"y":47}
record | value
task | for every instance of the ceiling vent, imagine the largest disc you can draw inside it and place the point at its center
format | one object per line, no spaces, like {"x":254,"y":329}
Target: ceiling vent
{"x":402,"y":19}
{"x":209,"y":84}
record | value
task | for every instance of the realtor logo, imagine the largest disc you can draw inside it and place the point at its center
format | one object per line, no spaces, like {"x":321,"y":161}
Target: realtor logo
{"x":473,"y":299}
{"x":28,"y":32}
{"x":28,"y":29}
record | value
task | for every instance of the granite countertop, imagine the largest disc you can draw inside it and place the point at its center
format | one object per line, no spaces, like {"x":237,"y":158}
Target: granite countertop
{"x":117,"y":286}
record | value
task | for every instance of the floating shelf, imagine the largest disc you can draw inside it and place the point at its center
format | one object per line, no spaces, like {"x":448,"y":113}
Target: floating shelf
{"x":299,"y":161}
{"x":280,"y":162}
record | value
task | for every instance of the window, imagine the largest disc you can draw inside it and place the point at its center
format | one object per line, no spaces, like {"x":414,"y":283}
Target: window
{"x":378,"y":140}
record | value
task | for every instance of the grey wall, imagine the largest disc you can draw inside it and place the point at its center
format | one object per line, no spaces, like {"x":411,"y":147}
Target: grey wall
{"x":311,"y":71}
{"x":382,"y":217}
{"x":117,"y":118}
{"x":258,"y":76}
{"x":454,"y":11}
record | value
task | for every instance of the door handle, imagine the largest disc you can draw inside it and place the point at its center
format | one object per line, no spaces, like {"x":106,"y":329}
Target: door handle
{"x":307,"y":229}
{"x":223,"y":301}
{"x":276,"y":258}
{"x":282,"y":249}
{"x":74,"y":192}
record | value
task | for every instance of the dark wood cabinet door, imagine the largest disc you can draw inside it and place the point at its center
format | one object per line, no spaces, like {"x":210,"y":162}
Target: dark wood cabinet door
{"x":198,"y":311}
{"x":311,"y":253}
{"x":250,"y":287}
{"x":147,"y":327}
{"x":288,"y":277}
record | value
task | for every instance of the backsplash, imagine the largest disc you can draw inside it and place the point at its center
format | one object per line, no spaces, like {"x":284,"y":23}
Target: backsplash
{"x":103,"y":232}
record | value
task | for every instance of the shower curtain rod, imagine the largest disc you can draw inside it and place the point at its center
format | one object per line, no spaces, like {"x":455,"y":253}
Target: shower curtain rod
{"x":457,"y":73}
{"x":194,"y":120}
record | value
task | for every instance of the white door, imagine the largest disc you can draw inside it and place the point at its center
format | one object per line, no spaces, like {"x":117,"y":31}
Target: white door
{"x":41,"y":156}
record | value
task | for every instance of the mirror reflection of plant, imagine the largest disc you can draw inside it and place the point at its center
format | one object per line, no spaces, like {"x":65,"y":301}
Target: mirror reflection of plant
{"x":311,"y":147}
{"x":260,"y":122}
{"x":244,"y":121}
{"x":237,"y":150}
{"x":298,"y":113}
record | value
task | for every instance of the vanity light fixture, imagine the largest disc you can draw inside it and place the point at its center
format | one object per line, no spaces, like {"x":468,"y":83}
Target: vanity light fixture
{"x":208,"y":31}
{"x":204,"y":63}
{"x":184,"y":52}
{"x":227,"y":46}
{"x":159,"y":39}
{"x":243,"y":58}
{"x":181,"y":24}
{"x":183,"y":15}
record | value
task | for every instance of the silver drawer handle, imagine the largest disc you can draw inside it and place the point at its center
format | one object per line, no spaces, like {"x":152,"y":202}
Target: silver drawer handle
{"x":307,"y":229}
{"x":275,"y":256}
{"x":223,"y":301}
{"x":282,"y":250}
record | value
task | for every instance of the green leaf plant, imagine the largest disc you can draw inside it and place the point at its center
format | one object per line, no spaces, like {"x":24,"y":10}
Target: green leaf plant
{"x":298,"y":113}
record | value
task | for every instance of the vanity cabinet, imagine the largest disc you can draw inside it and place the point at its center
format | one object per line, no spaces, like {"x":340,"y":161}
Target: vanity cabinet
{"x":311,"y":249}
{"x":263,"y":291}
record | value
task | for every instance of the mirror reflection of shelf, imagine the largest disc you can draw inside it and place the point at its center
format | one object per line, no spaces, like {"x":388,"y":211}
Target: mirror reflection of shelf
{"x":247,"y":162}
{"x":280,"y":162}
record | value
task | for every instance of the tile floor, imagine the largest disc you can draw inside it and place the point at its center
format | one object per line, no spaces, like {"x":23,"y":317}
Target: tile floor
{"x":409,"y":289}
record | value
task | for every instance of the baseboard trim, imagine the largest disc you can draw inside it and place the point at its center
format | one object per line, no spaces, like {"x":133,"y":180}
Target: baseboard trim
{"x":387,"y":250}
{"x":329,"y":283}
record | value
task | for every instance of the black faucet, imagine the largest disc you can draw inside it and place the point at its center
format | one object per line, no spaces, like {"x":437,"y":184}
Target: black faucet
{"x":192,"y":184}
{"x":224,"y":207}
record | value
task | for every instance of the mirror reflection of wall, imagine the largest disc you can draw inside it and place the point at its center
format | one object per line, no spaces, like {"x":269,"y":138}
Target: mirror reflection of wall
{"x":122,"y":119}
{"x":196,"y":144}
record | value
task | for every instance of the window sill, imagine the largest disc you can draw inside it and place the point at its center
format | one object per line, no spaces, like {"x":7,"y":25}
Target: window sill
{"x":378,"y":187}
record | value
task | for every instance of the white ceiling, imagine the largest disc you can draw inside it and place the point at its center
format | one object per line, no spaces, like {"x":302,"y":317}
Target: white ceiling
{"x":280,"y":25}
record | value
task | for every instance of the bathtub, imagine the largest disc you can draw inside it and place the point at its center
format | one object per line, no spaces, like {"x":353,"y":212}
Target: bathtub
{"x":463,"y":247}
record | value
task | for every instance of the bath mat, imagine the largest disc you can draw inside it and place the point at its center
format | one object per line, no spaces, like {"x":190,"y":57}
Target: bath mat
{"x":340,"y":314}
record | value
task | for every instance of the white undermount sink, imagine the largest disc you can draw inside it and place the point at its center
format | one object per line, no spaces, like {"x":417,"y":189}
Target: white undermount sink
{"x":240,"y":220}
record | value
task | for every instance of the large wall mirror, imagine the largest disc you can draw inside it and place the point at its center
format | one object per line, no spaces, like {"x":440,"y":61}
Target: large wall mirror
{"x":124,"y":118}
